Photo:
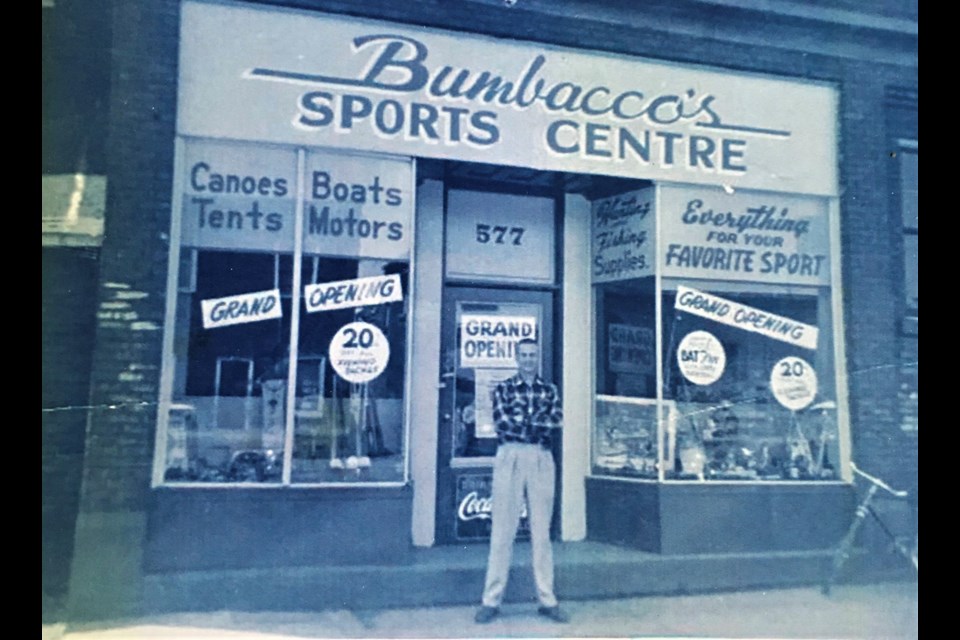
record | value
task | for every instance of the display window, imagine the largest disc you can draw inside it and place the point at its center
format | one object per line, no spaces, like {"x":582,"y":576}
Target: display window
{"x":626,"y":430}
{"x":286,"y":353}
{"x":349,"y":425}
{"x":755,"y":401}
{"x":714,"y":346}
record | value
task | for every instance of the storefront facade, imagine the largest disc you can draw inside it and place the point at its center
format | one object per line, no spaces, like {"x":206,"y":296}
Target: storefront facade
{"x":361,"y":218}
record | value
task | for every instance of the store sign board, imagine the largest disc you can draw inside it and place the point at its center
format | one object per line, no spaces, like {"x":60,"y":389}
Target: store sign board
{"x":489,"y":341}
{"x":623,"y":237}
{"x":630,"y":349}
{"x":244,"y":196}
{"x":241,"y":309}
{"x":236,"y":196}
{"x":744,"y":236}
{"x":359,"y":292}
{"x":745,"y":317}
{"x":358,"y":205}
{"x":498,"y":236}
{"x":322,"y":80}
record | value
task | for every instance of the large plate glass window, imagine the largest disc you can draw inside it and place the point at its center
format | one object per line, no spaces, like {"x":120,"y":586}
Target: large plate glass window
{"x":237,"y":208}
{"x":625,"y":437}
{"x":747,"y":336}
{"x":242,"y":271}
{"x":349,"y":405}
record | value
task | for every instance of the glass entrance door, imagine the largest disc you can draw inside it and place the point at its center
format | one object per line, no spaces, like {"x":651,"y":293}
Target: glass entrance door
{"x":480,"y":328}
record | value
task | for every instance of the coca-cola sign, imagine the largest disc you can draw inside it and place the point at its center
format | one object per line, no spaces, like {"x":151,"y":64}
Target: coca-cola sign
{"x":472,"y":506}
{"x":475,"y":507}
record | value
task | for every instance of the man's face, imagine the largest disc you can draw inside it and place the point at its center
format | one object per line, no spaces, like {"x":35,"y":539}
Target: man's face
{"x":528,"y":358}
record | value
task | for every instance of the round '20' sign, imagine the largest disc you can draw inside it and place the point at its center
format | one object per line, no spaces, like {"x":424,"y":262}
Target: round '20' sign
{"x":793,"y":383}
{"x":359,"y":352}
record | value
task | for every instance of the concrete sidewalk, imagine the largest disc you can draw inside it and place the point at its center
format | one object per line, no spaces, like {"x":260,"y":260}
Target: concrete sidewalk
{"x":876,"y":611}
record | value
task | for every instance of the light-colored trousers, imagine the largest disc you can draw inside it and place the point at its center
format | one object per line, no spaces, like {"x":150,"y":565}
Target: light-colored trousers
{"x":519,"y":469}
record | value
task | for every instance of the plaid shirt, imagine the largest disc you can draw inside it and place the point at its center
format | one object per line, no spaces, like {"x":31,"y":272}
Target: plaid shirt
{"x":527,"y":413}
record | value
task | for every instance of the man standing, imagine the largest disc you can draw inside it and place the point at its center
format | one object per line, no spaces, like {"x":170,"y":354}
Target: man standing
{"x":528,"y":415}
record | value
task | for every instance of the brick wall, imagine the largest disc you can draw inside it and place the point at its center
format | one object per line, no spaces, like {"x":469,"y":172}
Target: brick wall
{"x":130,"y":311}
{"x":106,"y":573}
{"x":871,"y":300}
{"x":902,"y":123}
{"x":75,"y":68}
{"x":910,"y":385}
{"x":69,"y":278}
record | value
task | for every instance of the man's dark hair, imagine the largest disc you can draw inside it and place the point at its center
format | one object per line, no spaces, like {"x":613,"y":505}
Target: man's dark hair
{"x":532,"y":341}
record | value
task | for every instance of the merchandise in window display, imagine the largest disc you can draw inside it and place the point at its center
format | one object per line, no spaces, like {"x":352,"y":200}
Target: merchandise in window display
{"x":754,"y":419}
{"x":718,"y":444}
{"x":344,"y":429}
{"x":243,"y":465}
{"x":626,"y":442}
{"x":344,"y":440}
{"x":351,"y":431}
{"x":255,"y":450}
{"x":808,"y":455}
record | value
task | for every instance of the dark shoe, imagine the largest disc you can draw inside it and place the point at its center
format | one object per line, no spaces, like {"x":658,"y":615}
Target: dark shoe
{"x":485,"y":614}
{"x":554,"y":613}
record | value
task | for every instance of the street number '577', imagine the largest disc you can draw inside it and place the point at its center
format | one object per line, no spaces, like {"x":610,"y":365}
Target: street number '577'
{"x":499,"y":234}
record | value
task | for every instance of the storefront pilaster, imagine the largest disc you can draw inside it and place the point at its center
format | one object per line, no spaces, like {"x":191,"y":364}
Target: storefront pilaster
{"x":577,"y":381}
{"x":424,"y":390}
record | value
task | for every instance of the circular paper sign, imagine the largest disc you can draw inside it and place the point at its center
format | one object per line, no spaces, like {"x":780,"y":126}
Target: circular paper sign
{"x":794,"y":383}
{"x":359,"y":352}
{"x":701,"y":357}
